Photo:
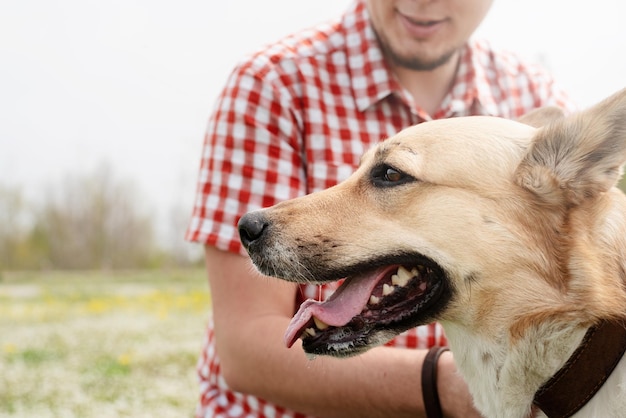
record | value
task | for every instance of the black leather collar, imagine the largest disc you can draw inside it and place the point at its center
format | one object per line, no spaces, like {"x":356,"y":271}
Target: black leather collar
{"x":585,"y":372}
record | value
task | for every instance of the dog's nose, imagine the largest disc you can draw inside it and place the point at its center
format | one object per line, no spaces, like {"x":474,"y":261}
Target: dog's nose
{"x":251,"y":227}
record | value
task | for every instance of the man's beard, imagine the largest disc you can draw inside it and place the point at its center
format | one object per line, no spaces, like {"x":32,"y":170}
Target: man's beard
{"x":412,"y":62}
{"x":417,"y":63}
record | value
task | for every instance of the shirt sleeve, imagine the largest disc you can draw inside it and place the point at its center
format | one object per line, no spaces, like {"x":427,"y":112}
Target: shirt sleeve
{"x":251,"y":156}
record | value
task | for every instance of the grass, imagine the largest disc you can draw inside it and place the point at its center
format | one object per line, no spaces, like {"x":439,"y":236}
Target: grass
{"x":101,"y":344}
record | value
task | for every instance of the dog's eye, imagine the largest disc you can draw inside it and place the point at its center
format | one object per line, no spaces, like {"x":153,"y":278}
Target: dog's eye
{"x":393,"y":175}
{"x":385,"y":175}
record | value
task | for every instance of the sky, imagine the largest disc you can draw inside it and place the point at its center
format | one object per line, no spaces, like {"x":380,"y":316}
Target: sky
{"x":131,"y":83}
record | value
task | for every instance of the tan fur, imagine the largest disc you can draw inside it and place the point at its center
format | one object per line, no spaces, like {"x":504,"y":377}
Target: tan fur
{"x":530,"y":214}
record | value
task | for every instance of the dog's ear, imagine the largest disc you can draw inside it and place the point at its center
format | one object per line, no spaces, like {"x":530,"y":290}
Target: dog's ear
{"x":542,"y":116}
{"x":579,"y":156}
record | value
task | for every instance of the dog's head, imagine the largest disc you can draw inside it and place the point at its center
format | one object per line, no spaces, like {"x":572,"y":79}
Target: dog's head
{"x":476,"y":221}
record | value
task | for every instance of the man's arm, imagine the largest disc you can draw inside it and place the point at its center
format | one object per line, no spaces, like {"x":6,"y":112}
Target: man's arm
{"x":251,"y":313}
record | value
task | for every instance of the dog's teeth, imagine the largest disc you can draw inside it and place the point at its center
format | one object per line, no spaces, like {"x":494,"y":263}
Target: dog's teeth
{"x":400,"y":280}
{"x":319,"y":323}
{"x":402,"y":277}
{"x":374,"y":300}
{"x":395,"y":280}
{"x":387,"y":290}
{"x":415,"y":271}
{"x":310,"y":331}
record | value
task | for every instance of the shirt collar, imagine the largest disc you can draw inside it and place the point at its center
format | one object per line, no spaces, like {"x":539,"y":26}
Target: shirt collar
{"x":471,"y":92}
{"x":479,"y":93}
{"x":371,"y":79}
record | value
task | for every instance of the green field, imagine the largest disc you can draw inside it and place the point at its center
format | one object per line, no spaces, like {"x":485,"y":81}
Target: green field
{"x":101,"y":344}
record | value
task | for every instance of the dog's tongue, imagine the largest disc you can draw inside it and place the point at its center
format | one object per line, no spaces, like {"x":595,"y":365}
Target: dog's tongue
{"x":343,"y":305}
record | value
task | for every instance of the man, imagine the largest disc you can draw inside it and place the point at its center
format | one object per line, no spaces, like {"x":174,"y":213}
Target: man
{"x":295,"y":118}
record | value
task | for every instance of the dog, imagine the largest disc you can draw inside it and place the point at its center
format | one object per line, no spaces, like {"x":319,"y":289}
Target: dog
{"x":511,"y":234}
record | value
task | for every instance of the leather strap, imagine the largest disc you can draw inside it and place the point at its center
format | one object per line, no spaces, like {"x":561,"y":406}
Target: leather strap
{"x":585,"y":372}
{"x":429,"y":382}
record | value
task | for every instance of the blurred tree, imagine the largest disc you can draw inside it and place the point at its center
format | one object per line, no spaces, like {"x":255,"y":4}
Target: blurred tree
{"x":12,"y":229}
{"x":96,"y":222}
{"x":180,"y":252}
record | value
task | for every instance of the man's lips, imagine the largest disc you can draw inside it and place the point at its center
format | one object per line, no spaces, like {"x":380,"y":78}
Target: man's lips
{"x":421,"y":28}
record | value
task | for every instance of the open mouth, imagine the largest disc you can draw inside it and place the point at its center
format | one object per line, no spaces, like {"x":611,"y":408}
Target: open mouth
{"x":370,"y":308}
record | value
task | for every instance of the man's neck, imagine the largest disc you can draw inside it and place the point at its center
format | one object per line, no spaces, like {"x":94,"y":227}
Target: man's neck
{"x":428,"y":88}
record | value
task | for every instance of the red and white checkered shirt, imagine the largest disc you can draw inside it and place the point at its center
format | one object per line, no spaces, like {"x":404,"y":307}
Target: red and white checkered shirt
{"x":295,"y":118}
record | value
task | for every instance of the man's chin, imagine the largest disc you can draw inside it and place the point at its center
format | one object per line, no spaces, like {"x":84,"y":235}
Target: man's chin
{"x":420,"y":63}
